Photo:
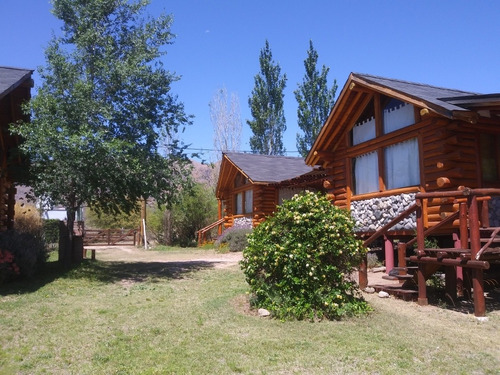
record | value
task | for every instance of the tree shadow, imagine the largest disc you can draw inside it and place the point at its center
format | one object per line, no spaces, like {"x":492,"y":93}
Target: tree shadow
{"x":106,"y":272}
{"x":465,"y":304}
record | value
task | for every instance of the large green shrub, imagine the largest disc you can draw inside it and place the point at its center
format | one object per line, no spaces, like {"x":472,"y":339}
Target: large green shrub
{"x":298,"y":262}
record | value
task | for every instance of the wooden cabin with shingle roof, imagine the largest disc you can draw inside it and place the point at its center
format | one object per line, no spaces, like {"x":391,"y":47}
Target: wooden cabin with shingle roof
{"x":251,"y":186}
{"x":411,"y":160}
{"x":15,"y":90}
{"x":386,"y":140}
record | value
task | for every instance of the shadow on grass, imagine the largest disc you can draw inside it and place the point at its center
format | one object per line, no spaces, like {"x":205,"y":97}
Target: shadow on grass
{"x":110,"y":272}
{"x":464,"y":304}
{"x":106,"y":272}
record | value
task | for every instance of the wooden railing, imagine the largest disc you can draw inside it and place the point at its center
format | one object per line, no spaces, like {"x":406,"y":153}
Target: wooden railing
{"x":202,"y":233}
{"x":472,"y":214}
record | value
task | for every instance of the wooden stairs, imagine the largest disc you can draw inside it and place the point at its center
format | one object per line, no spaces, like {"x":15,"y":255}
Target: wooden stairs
{"x":482,"y":249}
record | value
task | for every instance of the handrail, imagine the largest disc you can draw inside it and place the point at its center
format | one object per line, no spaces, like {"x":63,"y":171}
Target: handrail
{"x":211,"y":226}
{"x":403,"y":215}
{"x":451,"y":218}
{"x":463,"y":192}
{"x":204,"y":230}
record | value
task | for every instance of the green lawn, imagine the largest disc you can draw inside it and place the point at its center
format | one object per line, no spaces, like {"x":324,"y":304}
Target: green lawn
{"x":116,"y":318}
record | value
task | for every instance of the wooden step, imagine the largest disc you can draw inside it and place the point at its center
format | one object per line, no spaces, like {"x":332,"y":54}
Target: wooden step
{"x":397,"y":277}
{"x":407,"y":268}
{"x":397,"y":291}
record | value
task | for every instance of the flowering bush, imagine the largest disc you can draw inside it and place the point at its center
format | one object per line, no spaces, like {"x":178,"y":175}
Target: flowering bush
{"x":8,"y":267}
{"x":26,"y":250}
{"x":298,"y":262}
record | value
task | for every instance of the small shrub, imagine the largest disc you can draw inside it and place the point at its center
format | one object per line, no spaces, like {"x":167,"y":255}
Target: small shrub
{"x":297,"y":262}
{"x":234,"y":239}
{"x":372,"y":260}
{"x":50,"y":231}
{"x":8,"y":267}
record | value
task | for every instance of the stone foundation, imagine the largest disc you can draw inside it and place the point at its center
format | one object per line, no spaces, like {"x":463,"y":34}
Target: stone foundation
{"x":372,"y":214}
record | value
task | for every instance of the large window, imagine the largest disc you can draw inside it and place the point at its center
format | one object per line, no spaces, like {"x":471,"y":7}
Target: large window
{"x":243,"y":202}
{"x":395,"y":115}
{"x":401,"y":168}
{"x":365,"y":168}
{"x":401,"y":165}
{"x":380,"y":164}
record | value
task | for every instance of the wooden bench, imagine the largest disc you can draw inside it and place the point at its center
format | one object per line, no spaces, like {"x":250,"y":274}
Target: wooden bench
{"x":91,"y":249}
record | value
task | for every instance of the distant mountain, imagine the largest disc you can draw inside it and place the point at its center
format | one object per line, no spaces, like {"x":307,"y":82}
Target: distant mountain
{"x":205,"y":173}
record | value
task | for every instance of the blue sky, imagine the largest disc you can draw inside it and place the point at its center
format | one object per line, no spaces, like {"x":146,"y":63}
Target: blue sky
{"x":452,"y":44}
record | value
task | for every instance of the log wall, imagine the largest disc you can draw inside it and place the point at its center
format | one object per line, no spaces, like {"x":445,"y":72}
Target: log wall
{"x":449,"y":158}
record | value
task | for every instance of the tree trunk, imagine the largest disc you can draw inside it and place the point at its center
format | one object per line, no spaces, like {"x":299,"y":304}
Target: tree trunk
{"x":70,"y":246}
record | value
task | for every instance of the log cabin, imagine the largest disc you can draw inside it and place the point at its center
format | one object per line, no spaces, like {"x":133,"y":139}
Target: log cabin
{"x":250,"y":186}
{"x":15,"y":90}
{"x":410,"y":159}
{"x":386,"y":140}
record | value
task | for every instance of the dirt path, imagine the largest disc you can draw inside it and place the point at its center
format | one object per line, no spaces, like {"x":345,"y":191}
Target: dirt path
{"x":131,"y":254}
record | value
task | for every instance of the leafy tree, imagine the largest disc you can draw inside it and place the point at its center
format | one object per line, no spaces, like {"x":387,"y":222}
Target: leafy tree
{"x":226,"y":120}
{"x":102,"y":111}
{"x":266,"y":106}
{"x":196,"y":208}
{"x":298,"y":262}
{"x":123,"y":220}
{"x":315,"y":101}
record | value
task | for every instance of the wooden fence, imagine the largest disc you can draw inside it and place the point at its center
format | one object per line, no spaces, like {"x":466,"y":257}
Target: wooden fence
{"x":109,"y":237}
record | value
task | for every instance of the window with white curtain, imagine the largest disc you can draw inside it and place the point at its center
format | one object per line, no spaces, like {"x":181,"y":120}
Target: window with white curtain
{"x":238,"y":203}
{"x":402,"y":164}
{"x":363,"y":131}
{"x":397,"y":115}
{"x":366,"y":173}
{"x":248,"y":201}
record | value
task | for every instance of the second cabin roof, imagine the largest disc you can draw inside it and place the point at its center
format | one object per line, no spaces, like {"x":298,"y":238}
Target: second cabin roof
{"x":268,"y":168}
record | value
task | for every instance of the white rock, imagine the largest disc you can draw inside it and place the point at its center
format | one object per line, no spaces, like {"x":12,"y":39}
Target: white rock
{"x":263,"y":312}
{"x":369,"y":290}
{"x":383,"y":294}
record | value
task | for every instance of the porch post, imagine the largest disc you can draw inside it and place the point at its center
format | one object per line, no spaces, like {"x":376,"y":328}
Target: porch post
{"x":475,"y":245}
{"x":422,"y":287}
{"x":458,"y":270}
{"x":389,"y":254}
{"x":363,"y":273}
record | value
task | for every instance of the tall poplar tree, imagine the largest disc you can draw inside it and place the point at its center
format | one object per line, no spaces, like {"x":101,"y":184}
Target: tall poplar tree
{"x":315,"y":101}
{"x":103,"y":111}
{"x":266,"y":106}
{"x":226,"y":120}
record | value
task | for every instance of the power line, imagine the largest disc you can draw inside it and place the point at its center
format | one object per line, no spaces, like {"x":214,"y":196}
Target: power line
{"x":243,"y":151}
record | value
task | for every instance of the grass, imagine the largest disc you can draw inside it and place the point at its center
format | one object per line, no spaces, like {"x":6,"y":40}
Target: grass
{"x":191,"y":318}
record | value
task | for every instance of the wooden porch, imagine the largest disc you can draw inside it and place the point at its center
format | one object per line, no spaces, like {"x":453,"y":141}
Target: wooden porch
{"x":476,"y":248}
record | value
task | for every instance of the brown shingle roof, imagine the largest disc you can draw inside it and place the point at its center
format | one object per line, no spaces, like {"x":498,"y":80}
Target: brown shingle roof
{"x":268,"y":168}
